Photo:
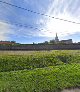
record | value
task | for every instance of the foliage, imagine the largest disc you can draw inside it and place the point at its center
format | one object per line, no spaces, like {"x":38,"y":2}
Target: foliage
{"x":45,"y":71}
{"x":36,"y":60}
{"x":48,"y":79}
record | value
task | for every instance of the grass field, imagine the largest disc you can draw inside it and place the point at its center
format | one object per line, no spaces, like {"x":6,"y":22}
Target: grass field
{"x":39,"y":71}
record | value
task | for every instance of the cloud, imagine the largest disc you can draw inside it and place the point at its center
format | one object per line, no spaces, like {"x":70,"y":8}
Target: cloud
{"x":14,"y":15}
{"x":5,"y":30}
{"x":60,"y":9}
{"x":47,"y":27}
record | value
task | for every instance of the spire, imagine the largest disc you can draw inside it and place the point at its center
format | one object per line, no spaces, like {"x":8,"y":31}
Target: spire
{"x":56,"y":38}
{"x":56,"y":35}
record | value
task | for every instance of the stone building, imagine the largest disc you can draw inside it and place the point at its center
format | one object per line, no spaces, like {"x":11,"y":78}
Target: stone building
{"x":69,"y":41}
{"x":56,"y":39}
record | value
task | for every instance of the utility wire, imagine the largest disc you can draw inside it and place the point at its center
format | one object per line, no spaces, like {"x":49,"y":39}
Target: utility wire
{"x":38,"y":12}
{"x":28,"y":26}
{"x":23,"y":25}
{"x":12,"y":12}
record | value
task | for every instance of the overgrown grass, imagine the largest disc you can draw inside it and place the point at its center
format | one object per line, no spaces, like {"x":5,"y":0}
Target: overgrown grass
{"x":36,"y":60}
{"x":45,"y":71}
{"x":48,"y":79}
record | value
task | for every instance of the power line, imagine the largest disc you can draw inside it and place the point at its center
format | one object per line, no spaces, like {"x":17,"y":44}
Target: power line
{"x":12,"y":12}
{"x":27,"y":26}
{"x":22,"y":25}
{"x":38,"y":12}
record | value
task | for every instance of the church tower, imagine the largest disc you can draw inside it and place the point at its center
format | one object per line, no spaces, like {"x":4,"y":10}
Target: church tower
{"x":56,"y":39}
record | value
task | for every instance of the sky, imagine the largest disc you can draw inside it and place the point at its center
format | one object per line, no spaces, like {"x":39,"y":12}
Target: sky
{"x":27,"y":25}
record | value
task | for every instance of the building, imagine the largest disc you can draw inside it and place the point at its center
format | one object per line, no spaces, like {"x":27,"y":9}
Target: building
{"x":56,"y":39}
{"x":7,"y":42}
{"x":69,"y":41}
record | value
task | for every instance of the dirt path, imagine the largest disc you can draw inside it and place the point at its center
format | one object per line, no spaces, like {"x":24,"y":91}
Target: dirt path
{"x":71,"y":90}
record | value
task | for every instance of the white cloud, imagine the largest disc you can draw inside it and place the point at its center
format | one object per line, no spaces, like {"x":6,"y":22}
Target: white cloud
{"x":59,"y":9}
{"x":5,"y":30}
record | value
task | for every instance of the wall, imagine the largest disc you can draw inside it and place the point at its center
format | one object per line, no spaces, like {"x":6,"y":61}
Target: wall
{"x":42,"y":47}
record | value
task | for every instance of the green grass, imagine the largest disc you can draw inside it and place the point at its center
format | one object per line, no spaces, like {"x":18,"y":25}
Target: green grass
{"x":48,"y":79}
{"x":33,"y":60}
{"x":45,"y":71}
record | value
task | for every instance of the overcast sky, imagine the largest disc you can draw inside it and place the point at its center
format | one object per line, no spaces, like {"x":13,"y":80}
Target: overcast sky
{"x":27,"y":27}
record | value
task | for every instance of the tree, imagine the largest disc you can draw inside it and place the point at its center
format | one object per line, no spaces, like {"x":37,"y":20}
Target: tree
{"x":46,"y":42}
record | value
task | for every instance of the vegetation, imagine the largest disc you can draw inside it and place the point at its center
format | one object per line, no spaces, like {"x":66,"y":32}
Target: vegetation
{"x":45,"y":71}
